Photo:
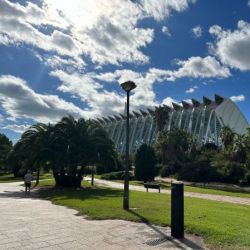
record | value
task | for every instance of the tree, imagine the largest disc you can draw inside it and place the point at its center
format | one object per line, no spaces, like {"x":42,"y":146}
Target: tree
{"x":173,"y":145}
{"x":227,"y":137}
{"x":34,"y":147}
{"x":145,"y":161}
{"x":77,"y":144}
{"x":239,"y":148}
{"x":5,"y":149}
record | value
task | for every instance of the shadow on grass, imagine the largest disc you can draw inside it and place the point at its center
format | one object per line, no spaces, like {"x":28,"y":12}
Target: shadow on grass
{"x":163,"y":237}
{"x":80,"y":193}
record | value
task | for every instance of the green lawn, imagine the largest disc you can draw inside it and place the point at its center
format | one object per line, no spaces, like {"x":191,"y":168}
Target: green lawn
{"x":221,"y":224}
{"x":193,"y":189}
{"x":10,"y":177}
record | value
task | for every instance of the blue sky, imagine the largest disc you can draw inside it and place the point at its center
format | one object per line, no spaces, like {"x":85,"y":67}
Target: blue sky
{"x":69,"y":57}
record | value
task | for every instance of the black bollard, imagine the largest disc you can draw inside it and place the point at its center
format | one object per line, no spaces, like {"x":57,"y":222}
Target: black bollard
{"x":177,"y":210}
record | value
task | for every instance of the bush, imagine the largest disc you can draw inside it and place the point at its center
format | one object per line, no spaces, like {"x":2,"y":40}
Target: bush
{"x":116,"y":176}
{"x":145,"y":161}
{"x":198,"y":172}
{"x":233,"y":172}
{"x":201,"y":169}
{"x":158,"y":169}
{"x":109,"y":165}
{"x":170,"y":169}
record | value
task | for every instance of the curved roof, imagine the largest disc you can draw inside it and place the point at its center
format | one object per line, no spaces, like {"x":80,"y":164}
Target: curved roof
{"x":230,"y":115}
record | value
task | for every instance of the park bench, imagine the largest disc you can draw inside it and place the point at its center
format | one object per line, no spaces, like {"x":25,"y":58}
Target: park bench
{"x":152,"y":185}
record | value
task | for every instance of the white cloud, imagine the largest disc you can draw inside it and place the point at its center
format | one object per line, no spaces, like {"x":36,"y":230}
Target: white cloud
{"x":1,"y":119}
{"x":238,"y":98}
{"x":66,"y":64}
{"x":162,"y":8}
{"x":232,"y":47}
{"x":168,"y":101}
{"x":104,"y":31}
{"x":191,"y":89}
{"x":248,"y":4}
{"x":197,"y":31}
{"x":88,"y":88}
{"x":165,"y":30}
{"x":89,"y":29}
{"x":19,"y":101}
{"x":17,"y":128}
{"x":195,"y":67}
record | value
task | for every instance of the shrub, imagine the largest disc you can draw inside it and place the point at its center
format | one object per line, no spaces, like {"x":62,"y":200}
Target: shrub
{"x":145,"y":161}
{"x":116,"y":176}
{"x":158,"y":169}
{"x":233,"y":172}
{"x":109,"y":165}
{"x":201,"y":169}
{"x":170,"y":169}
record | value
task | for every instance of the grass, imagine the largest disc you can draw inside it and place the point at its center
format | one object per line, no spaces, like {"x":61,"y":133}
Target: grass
{"x":222,"y":225}
{"x":6,"y":178}
{"x":201,"y":190}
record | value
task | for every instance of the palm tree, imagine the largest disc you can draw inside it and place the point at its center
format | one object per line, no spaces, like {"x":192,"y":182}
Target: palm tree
{"x":33,"y":146}
{"x":173,"y":145}
{"x":240,"y":148}
{"x":227,"y":136}
{"x":78,"y":143}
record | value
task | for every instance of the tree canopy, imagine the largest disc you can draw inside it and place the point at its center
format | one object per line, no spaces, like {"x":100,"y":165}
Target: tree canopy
{"x":67,"y":147}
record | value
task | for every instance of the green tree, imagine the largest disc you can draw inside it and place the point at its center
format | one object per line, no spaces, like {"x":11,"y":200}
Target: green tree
{"x":145,"y":161}
{"x":239,"y":148}
{"x":173,"y":145}
{"x":227,"y":137}
{"x":75,"y":145}
{"x":34,"y":147}
{"x":5,"y":149}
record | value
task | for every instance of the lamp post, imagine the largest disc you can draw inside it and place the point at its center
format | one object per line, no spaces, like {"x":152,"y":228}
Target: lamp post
{"x":127,"y":86}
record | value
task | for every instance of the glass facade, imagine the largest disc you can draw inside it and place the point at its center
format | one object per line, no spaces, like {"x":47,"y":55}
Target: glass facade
{"x":203,"y":120}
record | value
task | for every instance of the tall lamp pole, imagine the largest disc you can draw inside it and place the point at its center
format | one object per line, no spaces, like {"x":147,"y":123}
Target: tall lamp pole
{"x":127,"y":86}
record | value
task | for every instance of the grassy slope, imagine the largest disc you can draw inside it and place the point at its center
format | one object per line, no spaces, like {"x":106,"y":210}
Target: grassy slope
{"x":221,"y":224}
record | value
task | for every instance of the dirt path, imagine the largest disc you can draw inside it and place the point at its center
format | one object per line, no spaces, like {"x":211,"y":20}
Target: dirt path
{"x":28,"y":222}
{"x":213,"y":197}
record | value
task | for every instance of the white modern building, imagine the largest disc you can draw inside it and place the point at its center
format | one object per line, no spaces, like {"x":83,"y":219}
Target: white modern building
{"x":203,"y":120}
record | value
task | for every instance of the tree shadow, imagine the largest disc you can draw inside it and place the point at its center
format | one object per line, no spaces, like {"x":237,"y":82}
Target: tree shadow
{"x":163,"y":236}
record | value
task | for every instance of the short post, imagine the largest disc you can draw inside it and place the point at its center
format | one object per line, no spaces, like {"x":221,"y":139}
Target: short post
{"x":177,"y":210}
{"x":92,"y":176}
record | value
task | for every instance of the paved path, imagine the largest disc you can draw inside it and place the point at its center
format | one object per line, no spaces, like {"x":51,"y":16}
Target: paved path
{"x":26,"y":222}
{"x":214,"y":197}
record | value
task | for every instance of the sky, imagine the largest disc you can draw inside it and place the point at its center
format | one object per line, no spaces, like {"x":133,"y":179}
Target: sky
{"x":70,"y":57}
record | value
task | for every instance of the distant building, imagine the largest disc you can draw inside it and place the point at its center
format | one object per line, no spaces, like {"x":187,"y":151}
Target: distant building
{"x":203,"y":120}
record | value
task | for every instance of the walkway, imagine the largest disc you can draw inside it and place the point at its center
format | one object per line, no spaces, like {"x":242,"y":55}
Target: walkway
{"x":30,"y":223}
{"x":213,"y":197}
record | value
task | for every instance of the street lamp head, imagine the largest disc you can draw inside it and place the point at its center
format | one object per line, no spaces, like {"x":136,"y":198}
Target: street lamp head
{"x":128,"y":86}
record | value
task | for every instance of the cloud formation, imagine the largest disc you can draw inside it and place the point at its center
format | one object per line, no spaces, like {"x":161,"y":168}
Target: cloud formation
{"x":191,"y":89}
{"x":197,"y":31}
{"x":165,"y":31}
{"x":18,"y":100}
{"x":17,"y":128}
{"x":195,"y":67}
{"x":238,"y":98}
{"x":232,"y":47}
